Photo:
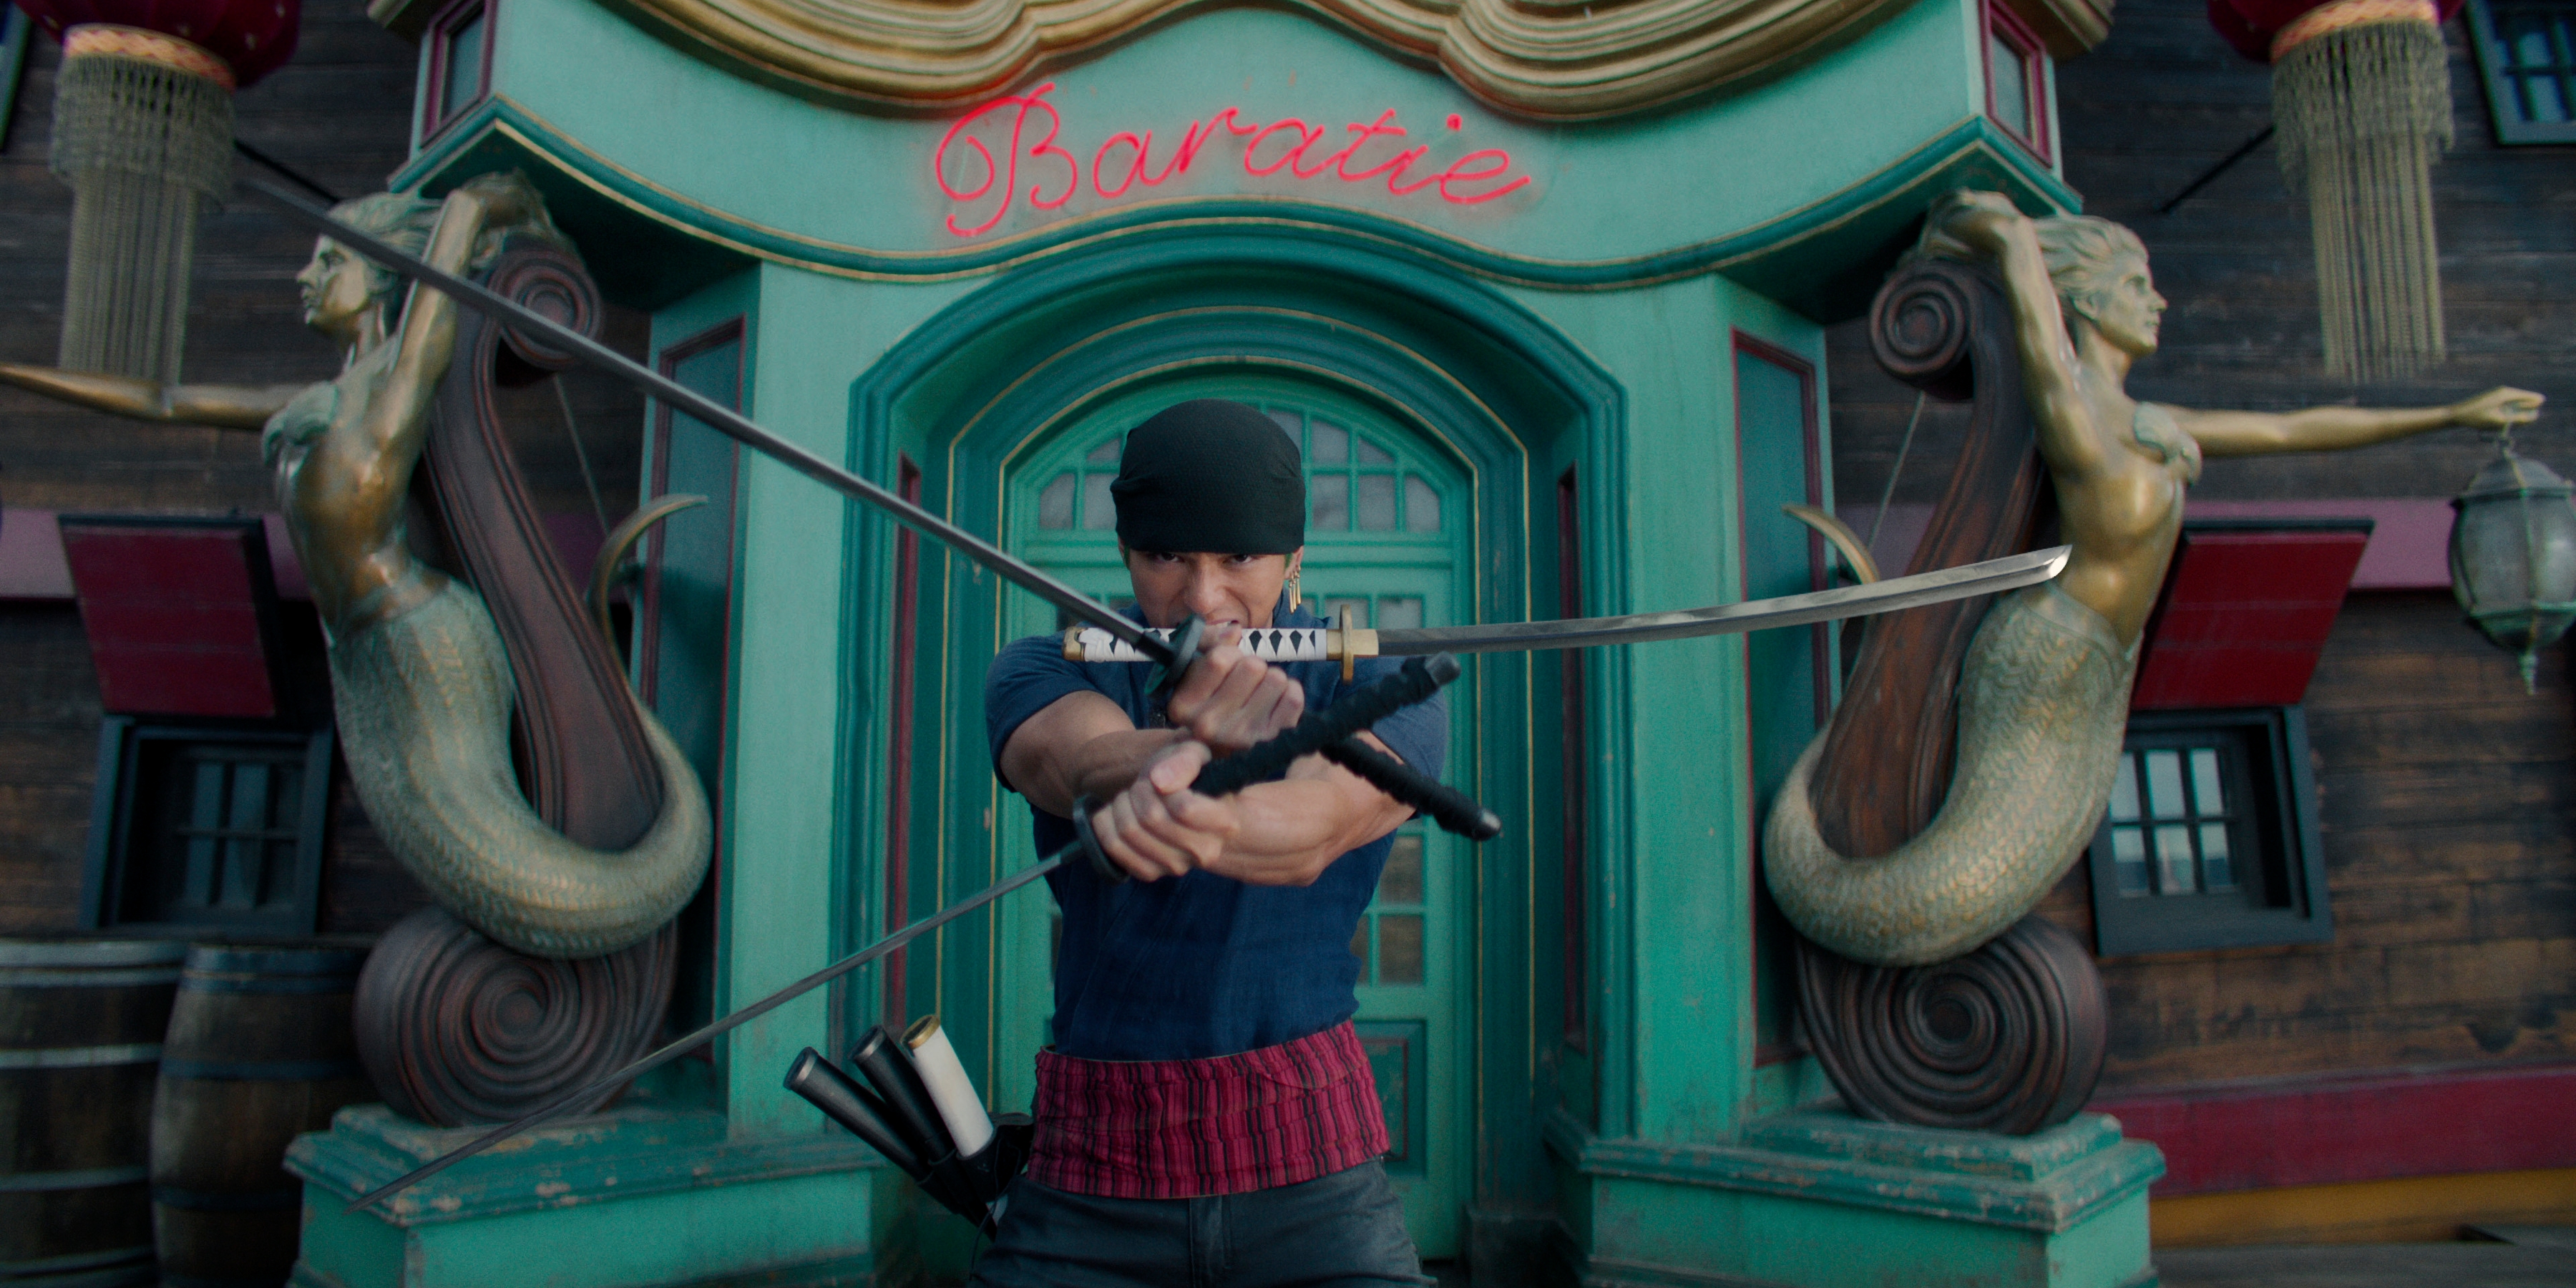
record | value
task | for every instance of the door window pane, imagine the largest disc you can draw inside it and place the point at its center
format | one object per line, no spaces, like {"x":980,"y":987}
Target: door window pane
{"x":1399,"y":613}
{"x":1055,"y":504}
{"x":1332,"y":443}
{"x":1099,"y":509}
{"x":1399,"y":949}
{"x":1377,"y":503}
{"x":1332,"y":497}
{"x":1401,"y":882}
{"x":1421,"y":505}
{"x":1372,"y":454}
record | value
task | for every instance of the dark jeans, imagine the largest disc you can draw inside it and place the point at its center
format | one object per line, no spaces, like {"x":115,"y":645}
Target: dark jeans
{"x":1345,"y":1230}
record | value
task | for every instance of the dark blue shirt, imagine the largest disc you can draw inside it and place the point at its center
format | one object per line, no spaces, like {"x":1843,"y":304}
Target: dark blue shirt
{"x":1203,"y":965}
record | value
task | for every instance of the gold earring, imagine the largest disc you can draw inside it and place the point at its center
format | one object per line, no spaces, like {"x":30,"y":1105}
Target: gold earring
{"x":1296,"y":588}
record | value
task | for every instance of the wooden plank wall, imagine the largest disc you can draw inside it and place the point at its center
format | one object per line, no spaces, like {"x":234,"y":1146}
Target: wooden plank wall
{"x":2448,"y":796}
{"x":339,"y":114}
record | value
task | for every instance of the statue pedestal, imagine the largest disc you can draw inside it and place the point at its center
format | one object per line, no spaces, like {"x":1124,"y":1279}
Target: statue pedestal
{"x":624,"y":1199}
{"x":1826,"y":1200}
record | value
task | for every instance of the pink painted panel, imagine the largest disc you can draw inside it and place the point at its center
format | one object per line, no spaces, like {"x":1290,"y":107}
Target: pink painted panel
{"x":2408,"y":550}
{"x":32,"y":564}
{"x":2367,"y":1127}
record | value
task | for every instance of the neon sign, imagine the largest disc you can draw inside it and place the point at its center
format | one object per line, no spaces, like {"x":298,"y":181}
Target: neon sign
{"x":1126,"y":160}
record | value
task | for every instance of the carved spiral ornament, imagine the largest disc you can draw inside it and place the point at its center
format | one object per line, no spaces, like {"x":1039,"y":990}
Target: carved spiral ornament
{"x":2008,"y":1038}
{"x":1920,"y":325}
{"x":551,"y":282}
{"x":457,"y":1029}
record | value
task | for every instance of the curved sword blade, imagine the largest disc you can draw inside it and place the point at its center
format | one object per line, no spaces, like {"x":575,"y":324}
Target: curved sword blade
{"x":1963,"y":582}
{"x":1311,"y":644}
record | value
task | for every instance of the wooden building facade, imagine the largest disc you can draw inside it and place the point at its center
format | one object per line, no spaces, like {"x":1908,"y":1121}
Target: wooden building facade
{"x":2409,"y":1076}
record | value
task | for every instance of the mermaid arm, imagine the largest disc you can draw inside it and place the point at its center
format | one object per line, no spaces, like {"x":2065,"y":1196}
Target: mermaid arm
{"x":220,"y":406}
{"x":345,"y":500}
{"x":396,"y":424}
{"x":1989,"y":226}
{"x":2328,"y":429}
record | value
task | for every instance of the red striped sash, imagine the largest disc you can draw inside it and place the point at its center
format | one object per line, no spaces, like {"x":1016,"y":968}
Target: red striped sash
{"x":1169,"y":1129}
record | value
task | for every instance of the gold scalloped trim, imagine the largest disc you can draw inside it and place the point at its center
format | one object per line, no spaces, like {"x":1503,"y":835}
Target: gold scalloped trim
{"x":1553,"y":60}
{"x":2333,"y":17}
{"x":149,"y":46}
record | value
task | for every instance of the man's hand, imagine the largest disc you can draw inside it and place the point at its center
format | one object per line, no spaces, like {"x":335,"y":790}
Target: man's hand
{"x":1231,"y":699}
{"x":1158,"y":827}
{"x":2498,"y":408}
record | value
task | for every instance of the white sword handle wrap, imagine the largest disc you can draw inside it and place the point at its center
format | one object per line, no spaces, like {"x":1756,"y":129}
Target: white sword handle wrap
{"x":1306,"y":644}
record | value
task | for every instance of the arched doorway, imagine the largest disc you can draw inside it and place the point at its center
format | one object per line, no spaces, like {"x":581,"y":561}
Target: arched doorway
{"x":1020,"y":382}
{"x":1389,"y":537}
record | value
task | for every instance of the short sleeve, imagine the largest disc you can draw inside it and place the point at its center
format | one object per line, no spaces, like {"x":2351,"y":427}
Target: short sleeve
{"x":1418,"y":734}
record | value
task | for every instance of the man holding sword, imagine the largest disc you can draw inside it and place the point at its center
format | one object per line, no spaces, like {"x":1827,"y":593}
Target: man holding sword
{"x":1206,"y":1114}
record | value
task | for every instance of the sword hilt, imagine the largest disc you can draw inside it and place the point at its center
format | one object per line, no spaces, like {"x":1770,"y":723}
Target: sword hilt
{"x":1345,"y":644}
{"x":1332,"y":732}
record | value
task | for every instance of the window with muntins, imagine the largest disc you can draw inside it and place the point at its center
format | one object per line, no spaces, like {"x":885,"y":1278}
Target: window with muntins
{"x":2526,"y":51}
{"x":2210,"y":837}
{"x":208,"y":827}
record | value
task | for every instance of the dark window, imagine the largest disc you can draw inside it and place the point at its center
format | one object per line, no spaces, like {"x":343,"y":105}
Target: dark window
{"x":2016,"y":79}
{"x":207,"y":828}
{"x":2210,"y":840}
{"x":2527,"y":56}
{"x":1569,"y":603}
{"x":458,"y":50}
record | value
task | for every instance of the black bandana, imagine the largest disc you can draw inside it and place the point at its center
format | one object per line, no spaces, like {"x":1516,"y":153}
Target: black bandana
{"x":1211,"y":476}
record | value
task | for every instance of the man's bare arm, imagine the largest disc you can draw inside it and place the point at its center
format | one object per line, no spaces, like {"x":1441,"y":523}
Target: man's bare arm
{"x":1282,"y":833}
{"x":1079,"y":744}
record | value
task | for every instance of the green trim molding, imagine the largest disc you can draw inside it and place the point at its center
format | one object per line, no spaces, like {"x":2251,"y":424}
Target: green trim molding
{"x":653,"y":246}
{"x":1824,"y":1200}
{"x":632,"y":1197}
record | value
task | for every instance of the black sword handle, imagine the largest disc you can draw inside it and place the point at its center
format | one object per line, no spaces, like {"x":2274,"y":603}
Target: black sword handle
{"x":1331,"y":731}
{"x":1418,"y":680}
{"x":1455,"y":811}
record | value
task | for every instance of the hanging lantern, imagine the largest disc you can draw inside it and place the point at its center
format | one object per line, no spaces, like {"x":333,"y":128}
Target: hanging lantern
{"x":2513,"y":554}
{"x":2361,"y":96}
{"x":143,"y":135}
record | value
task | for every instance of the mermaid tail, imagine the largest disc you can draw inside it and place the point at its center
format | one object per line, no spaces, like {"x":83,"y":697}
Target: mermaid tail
{"x":424,"y":718}
{"x":2043,"y":706}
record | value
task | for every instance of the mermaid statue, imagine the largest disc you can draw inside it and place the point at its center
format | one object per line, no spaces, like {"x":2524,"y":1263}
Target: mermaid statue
{"x":422,"y":685}
{"x":2043,"y":696}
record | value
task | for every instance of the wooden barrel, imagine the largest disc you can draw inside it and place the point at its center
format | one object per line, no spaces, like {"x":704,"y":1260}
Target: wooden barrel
{"x":80,"y":1035}
{"x":260,"y":1049}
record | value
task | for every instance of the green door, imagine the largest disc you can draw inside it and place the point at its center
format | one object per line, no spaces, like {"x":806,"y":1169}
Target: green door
{"x":1388,"y":536}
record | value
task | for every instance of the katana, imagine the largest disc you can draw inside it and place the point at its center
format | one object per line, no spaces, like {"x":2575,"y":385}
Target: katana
{"x":1348,"y":643}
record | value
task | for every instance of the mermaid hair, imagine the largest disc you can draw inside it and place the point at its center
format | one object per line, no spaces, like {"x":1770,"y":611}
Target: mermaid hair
{"x":2082,"y":252}
{"x":405,"y":221}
